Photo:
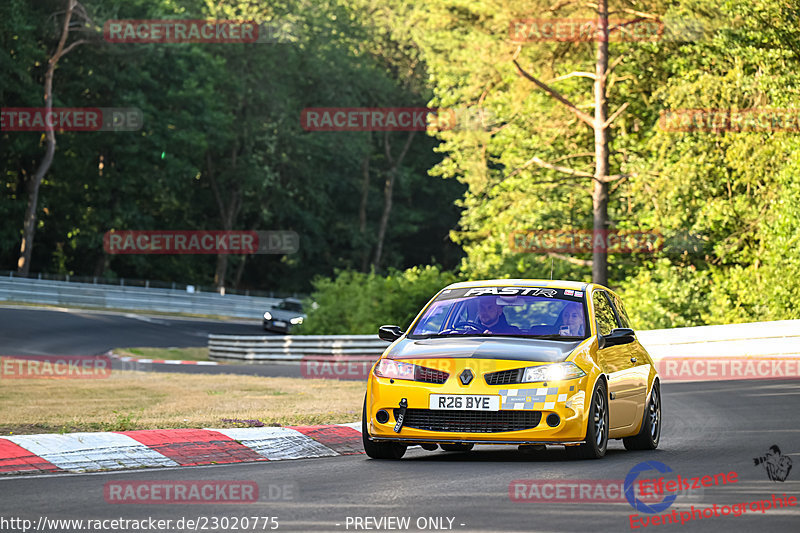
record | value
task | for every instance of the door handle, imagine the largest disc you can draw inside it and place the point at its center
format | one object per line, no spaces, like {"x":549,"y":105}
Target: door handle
{"x":633,"y":359}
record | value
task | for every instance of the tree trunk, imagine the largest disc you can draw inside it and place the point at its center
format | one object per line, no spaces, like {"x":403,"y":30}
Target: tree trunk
{"x":387,"y":209}
{"x":362,"y":209}
{"x":600,"y":189}
{"x":391,"y":175}
{"x":220,"y":272}
{"x":29,"y":224}
{"x":228,"y":213}
{"x":237,"y":280}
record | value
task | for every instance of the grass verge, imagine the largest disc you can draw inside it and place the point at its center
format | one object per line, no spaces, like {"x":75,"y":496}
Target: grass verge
{"x":130,"y":400}
{"x":181,"y":354}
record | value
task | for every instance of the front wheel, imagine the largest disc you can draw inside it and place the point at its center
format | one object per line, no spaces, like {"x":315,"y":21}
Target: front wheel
{"x":379,"y":450}
{"x":650,"y":433}
{"x":596,"y":443}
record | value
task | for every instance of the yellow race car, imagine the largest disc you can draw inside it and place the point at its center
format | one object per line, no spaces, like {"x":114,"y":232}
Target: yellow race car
{"x":518,"y":362}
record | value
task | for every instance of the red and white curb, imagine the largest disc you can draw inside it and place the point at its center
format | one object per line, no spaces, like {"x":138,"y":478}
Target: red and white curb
{"x":126,"y":359}
{"x":87,"y":452}
{"x":162,"y":361}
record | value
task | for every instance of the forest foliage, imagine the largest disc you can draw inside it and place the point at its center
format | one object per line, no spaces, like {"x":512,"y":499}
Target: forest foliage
{"x":222,"y":146}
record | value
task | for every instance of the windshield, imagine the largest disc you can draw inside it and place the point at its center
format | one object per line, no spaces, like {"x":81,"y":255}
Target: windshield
{"x":505,"y":311}
{"x":291,"y":306}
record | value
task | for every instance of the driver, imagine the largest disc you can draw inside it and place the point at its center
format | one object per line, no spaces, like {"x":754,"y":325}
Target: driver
{"x":492,"y":318}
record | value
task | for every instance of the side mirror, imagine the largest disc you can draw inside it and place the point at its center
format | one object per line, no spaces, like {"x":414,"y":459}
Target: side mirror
{"x":390,"y":333}
{"x":617,"y":337}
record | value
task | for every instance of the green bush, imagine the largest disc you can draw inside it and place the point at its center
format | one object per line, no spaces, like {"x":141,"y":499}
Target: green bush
{"x":356,"y":303}
{"x":667,"y":296}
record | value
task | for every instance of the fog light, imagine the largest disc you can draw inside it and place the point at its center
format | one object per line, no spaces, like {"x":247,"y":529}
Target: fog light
{"x":553,"y":420}
{"x":382,"y":416}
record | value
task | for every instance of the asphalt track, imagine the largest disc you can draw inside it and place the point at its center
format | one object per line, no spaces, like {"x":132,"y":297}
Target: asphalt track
{"x":708,"y":428}
{"x":48,"y":331}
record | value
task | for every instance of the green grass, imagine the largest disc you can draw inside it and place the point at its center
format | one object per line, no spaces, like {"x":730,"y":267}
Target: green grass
{"x":180,"y":354}
{"x":129,"y":400}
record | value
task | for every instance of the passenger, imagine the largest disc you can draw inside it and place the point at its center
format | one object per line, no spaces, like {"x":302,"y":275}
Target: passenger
{"x":570,"y":321}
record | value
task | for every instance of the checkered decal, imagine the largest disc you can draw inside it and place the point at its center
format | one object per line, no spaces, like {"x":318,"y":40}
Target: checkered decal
{"x":536,"y":399}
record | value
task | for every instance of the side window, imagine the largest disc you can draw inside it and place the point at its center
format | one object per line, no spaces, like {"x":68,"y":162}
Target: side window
{"x":624,"y":321}
{"x":606,"y":321}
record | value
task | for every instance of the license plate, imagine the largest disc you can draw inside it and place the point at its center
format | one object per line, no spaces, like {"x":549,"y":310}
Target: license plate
{"x":464,"y":402}
{"x":280,"y":324}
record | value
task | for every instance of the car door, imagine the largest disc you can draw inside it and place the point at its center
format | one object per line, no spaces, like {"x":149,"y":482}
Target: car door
{"x":636,"y":354}
{"x":616,"y":361}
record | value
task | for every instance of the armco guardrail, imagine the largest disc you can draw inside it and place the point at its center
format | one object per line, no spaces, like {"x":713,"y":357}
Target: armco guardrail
{"x":259,"y":348}
{"x":131,"y":298}
{"x":754,"y":339}
{"x":773,"y":339}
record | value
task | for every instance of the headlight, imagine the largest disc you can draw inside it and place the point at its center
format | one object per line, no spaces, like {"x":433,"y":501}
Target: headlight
{"x":267,"y":316}
{"x":297,"y":320}
{"x":387,"y":368}
{"x":554,"y":372}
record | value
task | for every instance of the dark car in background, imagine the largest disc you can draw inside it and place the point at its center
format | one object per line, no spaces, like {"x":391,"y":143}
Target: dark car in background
{"x":283,"y":315}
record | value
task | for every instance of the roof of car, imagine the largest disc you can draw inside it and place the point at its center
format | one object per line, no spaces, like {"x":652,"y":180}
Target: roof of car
{"x":555,"y":283}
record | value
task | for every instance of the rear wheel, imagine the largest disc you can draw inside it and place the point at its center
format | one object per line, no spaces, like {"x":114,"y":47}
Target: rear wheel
{"x":379,"y":450}
{"x":596,"y":443}
{"x":457,"y":447}
{"x":650,"y":433}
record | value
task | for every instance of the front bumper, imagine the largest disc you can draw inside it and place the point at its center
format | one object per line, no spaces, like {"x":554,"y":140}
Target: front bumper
{"x":566,"y":399}
{"x":270,"y":325}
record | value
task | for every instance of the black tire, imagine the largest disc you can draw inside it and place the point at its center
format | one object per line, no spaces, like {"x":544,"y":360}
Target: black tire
{"x":379,"y":450}
{"x":596,"y":443}
{"x":457,"y":447}
{"x":650,"y":433}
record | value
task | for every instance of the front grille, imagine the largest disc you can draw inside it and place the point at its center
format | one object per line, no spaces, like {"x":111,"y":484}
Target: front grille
{"x":504,"y":377}
{"x":470,"y":421}
{"x":430,"y":375}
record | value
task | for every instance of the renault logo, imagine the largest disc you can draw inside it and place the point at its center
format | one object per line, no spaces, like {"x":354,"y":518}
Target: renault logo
{"x":466,"y":376}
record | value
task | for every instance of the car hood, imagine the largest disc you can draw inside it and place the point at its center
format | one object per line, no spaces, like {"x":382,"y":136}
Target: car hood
{"x":280,"y":314}
{"x":538,"y":350}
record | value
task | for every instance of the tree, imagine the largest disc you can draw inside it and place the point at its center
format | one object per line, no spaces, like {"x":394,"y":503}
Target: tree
{"x":393,"y":163}
{"x":600,"y":124}
{"x":62,"y":49}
